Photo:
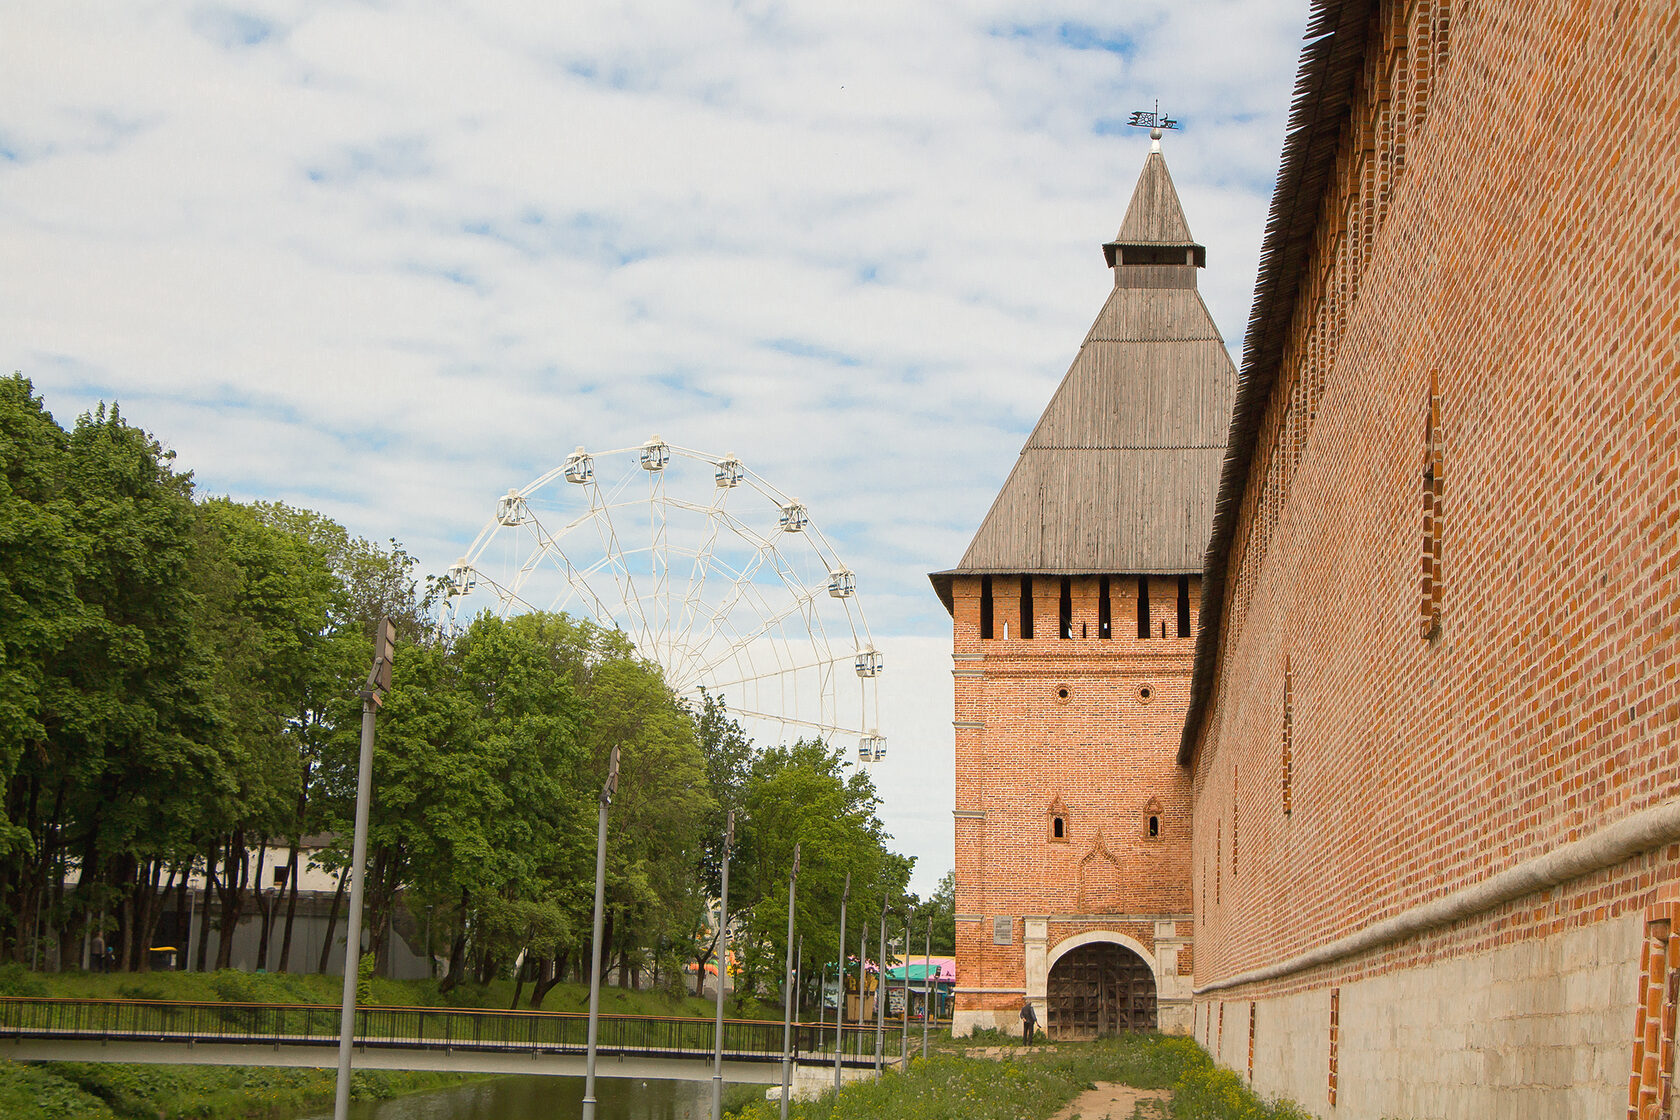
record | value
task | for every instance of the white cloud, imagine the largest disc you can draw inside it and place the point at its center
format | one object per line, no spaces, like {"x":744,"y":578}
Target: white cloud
{"x":389,"y":260}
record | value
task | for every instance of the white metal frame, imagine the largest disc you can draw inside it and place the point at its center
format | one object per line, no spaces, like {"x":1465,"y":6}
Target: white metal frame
{"x":700,"y":571}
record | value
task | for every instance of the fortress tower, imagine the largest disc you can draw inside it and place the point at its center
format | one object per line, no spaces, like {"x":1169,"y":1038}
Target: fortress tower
{"x":1074,"y":617}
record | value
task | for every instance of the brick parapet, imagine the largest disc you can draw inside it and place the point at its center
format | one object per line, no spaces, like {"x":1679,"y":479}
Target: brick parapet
{"x":1531,"y":267}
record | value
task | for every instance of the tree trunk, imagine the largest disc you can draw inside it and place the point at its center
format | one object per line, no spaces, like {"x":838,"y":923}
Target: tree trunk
{"x":457,"y":946}
{"x":206,"y":893}
{"x":332,"y":919}
{"x":127,"y":874}
{"x":183,"y":913}
{"x":518,"y":979}
{"x":377,"y":910}
{"x":292,"y":864}
{"x":265,"y":900}
{"x":547,"y":977}
{"x":291,"y":910}
{"x":236,"y":874}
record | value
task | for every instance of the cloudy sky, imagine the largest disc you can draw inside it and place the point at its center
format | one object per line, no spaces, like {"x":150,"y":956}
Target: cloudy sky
{"x":388,"y":259}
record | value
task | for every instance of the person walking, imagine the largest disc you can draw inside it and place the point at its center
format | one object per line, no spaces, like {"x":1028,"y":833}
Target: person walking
{"x":97,"y":954}
{"x":1029,"y":1020}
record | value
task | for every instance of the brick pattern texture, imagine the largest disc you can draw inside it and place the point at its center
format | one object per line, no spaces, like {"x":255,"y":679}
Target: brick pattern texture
{"x":1493,"y":299}
{"x":1082,"y":727}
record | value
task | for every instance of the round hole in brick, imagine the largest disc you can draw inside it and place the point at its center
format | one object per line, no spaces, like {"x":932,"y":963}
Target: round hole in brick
{"x":1061,"y":694}
{"x":1146,"y":694}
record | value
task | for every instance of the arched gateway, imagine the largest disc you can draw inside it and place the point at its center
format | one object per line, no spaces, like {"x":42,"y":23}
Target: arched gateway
{"x":1097,"y":989}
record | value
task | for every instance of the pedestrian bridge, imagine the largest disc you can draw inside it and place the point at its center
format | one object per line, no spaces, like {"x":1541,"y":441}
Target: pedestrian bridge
{"x":430,"y":1038}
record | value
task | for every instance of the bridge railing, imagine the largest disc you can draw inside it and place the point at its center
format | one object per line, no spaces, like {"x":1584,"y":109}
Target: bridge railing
{"x":426,"y":1028}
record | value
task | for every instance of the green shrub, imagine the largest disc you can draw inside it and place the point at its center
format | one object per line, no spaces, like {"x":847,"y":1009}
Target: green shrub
{"x":139,"y":989}
{"x":1206,"y":1092}
{"x":364,"y":980}
{"x":15,"y":980}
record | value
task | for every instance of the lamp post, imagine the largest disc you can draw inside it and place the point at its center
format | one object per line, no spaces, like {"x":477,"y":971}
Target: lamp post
{"x":722,"y":955}
{"x":863,"y":967}
{"x":927,"y":984}
{"x":904,"y":1025}
{"x":607,"y":792}
{"x":373,"y":693}
{"x":881,"y":998}
{"x":840,"y":987}
{"x":787,"y":1001}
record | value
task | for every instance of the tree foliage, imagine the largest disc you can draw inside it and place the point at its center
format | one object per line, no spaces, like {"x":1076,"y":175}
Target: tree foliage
{"x":179,"y":681}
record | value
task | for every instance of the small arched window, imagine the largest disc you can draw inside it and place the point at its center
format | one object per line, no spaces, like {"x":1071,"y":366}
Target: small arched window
{"x":1154,"y":828}
{"x":1057,"y":813}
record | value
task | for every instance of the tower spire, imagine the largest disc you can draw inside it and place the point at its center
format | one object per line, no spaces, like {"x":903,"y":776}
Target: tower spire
{"x":1154,"y":231}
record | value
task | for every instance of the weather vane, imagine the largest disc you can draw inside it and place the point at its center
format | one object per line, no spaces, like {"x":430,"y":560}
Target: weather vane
{"x":1154,"y":121}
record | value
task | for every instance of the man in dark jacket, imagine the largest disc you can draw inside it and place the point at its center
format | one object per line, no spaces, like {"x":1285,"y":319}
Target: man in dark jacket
{"x":1029,"y":1020}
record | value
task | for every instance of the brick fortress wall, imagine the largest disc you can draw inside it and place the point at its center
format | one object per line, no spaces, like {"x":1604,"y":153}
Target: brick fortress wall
{"x":1451,"y":641}
{"x":1101,"y":757}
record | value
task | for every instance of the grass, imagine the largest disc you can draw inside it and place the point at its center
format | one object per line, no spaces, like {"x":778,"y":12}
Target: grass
{"x":115,"y":1091}
{"x":101,"y":1091}
{"x":1033,"y":1084}
{"x":231,"y":986}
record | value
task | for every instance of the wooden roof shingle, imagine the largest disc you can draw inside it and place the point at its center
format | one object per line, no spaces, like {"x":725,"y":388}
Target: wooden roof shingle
{"x":1119,"y":475}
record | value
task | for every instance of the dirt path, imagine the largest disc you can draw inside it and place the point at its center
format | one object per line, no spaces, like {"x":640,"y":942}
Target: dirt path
{"x":1111,"y":1100}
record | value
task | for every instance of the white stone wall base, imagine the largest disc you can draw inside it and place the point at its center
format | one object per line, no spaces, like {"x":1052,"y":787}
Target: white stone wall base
{"x":965,"y":1023}
{"x":1174,"y":1016}
{"x":1539,"y":1030}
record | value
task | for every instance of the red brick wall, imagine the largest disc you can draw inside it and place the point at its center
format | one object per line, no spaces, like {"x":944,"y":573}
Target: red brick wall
{"x":1506,"y":218}
{"x":1104,"y":751}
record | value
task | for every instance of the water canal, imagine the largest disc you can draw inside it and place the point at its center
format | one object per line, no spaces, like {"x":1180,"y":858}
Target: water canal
{"x":542,"y":1098}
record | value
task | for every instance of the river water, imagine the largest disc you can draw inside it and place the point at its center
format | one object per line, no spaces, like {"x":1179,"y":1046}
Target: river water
{"x":543,"y":1098}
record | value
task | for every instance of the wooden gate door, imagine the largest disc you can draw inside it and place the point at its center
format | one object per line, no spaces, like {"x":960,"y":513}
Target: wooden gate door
{"x":1100,"y":989}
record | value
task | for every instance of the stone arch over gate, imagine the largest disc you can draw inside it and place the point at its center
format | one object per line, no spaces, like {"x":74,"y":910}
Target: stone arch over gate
{"x":1100,"y":983}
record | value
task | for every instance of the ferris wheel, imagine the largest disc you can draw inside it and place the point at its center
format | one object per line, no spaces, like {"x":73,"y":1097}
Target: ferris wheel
{"x":712,"y":573}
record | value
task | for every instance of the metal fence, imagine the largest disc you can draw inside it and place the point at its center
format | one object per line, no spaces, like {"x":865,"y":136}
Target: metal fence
{"x":438,"y":1028}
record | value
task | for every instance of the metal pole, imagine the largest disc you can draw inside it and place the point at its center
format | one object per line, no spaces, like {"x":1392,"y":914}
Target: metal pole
{"x":353,"y":932}
{"x":722,"y":955}
{"x":904,"y":1024}
{"x":927,"y":984}
{"x":787,"y":1001}
{"x":798,"y":975}
{"x":863,"y":965}
{"x":840,"y":987}
{"x":607,"y":792}
{"x":881,"y":998}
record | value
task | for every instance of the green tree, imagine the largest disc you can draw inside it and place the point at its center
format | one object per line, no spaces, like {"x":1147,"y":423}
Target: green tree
{"x":135,"y":740}
{"x":942,"y":907}
{"x":728,"y":753}
{"x":804,"y":794}
{"x":39,"y":608}
{"x":267,"y":593}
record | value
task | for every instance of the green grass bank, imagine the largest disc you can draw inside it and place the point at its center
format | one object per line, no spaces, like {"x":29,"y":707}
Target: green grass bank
{"x":230,"y":986}
{"x":1034,"y":1084}
{"x":114,"y":1091}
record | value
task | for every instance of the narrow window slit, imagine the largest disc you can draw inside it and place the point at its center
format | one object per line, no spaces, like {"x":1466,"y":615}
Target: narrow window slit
{"x":1143,"y":607}
{"x":985,"y":608}
{"x":1026,"y":608}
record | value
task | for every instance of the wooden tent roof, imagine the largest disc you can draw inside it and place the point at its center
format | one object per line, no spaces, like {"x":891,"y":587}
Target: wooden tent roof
{"x":1155,"y":217}
{"x":1119,"y":475}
